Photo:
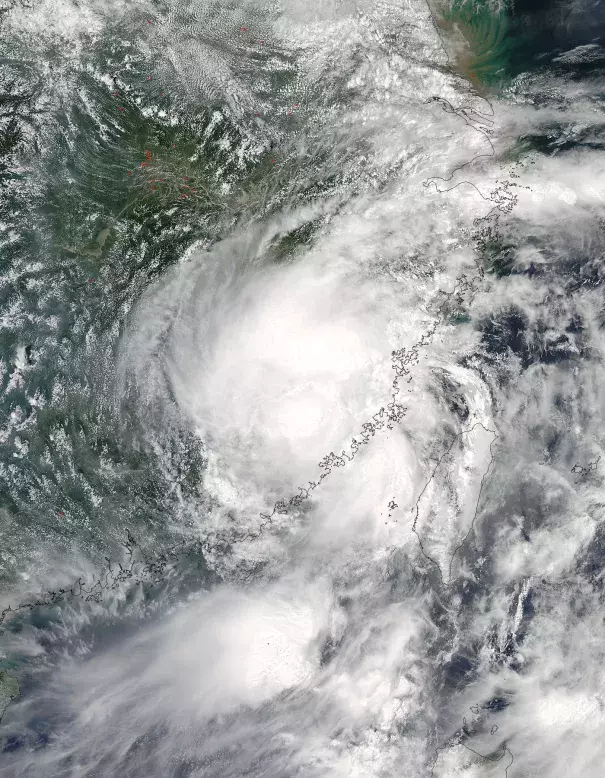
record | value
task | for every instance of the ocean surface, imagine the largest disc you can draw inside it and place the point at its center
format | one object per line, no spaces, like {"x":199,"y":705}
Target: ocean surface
{"x":302,"y":389}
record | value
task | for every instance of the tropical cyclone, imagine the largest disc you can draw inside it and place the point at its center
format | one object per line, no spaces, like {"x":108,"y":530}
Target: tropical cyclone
{"x":317,"y":635}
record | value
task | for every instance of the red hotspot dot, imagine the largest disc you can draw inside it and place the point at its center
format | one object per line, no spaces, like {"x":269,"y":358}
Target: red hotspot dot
{"x":130,"y":172}
{"x":90,"y":280}
{"x":161,"y":94}
{"x":244,"y":29}
{"x":120,"y":108}
{"x":149,"y":78}
{"x":61,"y":513}
{"x":262,"y":43}
{"x":273,"y":161}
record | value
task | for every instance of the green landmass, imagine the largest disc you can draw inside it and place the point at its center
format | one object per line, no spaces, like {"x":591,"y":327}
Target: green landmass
{"x":9,"y":689}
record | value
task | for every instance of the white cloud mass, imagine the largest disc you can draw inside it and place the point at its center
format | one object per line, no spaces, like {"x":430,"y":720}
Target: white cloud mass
{"x":427,"y":601}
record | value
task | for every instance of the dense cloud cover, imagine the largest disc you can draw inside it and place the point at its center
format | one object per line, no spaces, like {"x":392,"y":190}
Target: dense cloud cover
{"x":392,"y":561}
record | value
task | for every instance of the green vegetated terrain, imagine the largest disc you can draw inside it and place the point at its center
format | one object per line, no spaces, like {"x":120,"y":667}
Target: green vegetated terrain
{"x":9,"y":689}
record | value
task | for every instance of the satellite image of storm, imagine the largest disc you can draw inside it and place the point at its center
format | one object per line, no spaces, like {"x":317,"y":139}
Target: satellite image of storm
{"x":302,"y":388}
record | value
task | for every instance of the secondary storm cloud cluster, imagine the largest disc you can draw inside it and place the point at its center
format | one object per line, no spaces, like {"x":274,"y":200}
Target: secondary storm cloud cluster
{"x":399,"y":423}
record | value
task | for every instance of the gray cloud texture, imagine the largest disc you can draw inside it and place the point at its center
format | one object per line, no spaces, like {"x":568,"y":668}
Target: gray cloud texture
{"x":434,"y":605}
